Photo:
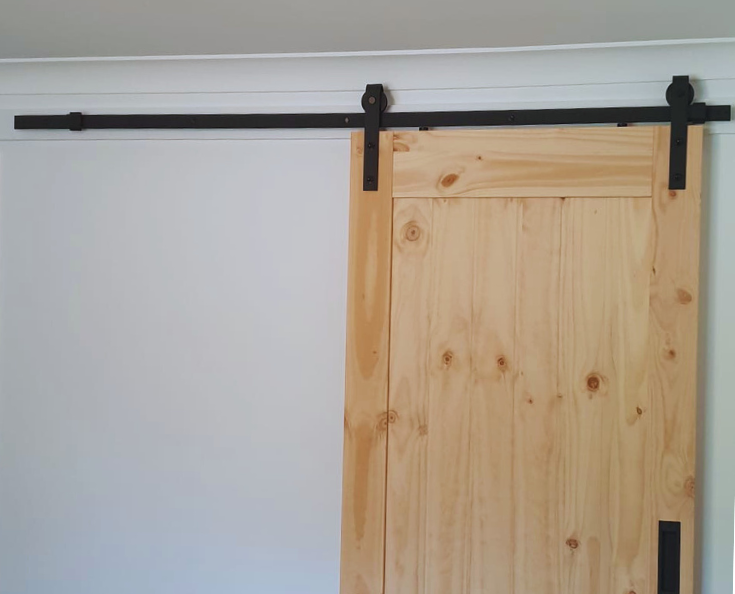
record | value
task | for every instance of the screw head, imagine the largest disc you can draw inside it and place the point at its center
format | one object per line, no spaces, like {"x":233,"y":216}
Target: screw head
{"x":371,"y":100}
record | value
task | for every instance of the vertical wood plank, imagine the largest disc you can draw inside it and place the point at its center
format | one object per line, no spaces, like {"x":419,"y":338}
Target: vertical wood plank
{"x":673,"y":345}
{"x":366,"y":388}
{"x":603,"y":345}
{"x":449,"y":505}
{"x":406,"y":504}
{"x":449,"y":482}
{"x":491,"y":393}
{"x":629,"y":256}
{"x":536,"y":451}
{"x":585,"y":394}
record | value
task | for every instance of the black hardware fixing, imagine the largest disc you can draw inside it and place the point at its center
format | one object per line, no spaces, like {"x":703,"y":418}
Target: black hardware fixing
{"x":374,"y":103}
{"x":669,"y":557}
{"x":680,"y":113}
{"x":76,"y":121}
{"x":679,"y":96}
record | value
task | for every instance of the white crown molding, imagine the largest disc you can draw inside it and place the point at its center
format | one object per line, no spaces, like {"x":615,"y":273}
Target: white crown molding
{"x":472,"y":50}
{"x":560,"y":65}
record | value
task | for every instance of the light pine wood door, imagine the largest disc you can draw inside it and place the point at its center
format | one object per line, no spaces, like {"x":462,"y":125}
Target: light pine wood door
{"x":522,"y":334}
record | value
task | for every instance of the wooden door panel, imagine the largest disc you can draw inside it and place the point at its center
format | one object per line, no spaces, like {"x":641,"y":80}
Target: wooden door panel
{"x":518,"y":386}
{"x":541,"y":376}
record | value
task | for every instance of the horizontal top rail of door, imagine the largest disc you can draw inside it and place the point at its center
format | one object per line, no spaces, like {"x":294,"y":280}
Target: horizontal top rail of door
{"x":681,"y":111}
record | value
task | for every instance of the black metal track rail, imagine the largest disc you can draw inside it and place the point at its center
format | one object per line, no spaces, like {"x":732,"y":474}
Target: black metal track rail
{"x":699,"y":113}
{"x":680,"y":112}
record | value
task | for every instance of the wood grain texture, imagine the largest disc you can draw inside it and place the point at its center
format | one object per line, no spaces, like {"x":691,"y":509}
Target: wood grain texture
{"x":537,"y":408}
{"x":534,"y":162}
{"x":519,"y":456}
{"x":673,"y":346}
{"x":540,"y":418}
{"x":605,"y":436}
{"x":406,"y":515}
{"x":491,"y":395}
{"x":449,"y":507}
{"x":366,"y":388}
{"x":449,"y":369}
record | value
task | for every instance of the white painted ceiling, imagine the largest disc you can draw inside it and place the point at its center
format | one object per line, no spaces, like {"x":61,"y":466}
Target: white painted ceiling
{"x":76,"y":28}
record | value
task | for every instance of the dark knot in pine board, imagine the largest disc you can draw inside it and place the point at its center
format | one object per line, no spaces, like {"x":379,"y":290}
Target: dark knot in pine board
{"x":448,"y":179}
{"x":411,"y":231}
{"x":593,"y":382}
{"x":684,"y":296}
{"x":387,"y":418}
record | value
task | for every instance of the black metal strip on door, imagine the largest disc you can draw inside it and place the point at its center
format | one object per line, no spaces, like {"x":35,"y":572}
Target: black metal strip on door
{"x":669,"y":557}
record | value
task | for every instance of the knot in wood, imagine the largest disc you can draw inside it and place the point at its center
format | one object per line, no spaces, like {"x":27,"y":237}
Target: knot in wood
{"x":684,"y":296}
{"x":385,"y":418}
{"x":412,"y":232}
{"x":689,"y":486}
{"x":449,"y":179}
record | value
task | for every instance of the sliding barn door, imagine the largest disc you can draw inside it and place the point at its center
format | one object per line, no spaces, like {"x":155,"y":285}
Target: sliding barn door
{"x":521,"y":371}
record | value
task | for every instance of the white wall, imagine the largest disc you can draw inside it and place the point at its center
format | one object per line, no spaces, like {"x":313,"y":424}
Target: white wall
{"x":172,"y":310}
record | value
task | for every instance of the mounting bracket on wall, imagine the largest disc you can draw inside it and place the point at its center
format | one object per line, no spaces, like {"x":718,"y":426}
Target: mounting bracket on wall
{"x":680,"y":112}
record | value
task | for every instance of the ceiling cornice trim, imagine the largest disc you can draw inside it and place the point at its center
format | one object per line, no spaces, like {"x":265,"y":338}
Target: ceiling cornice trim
{"x":361,"y":54}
